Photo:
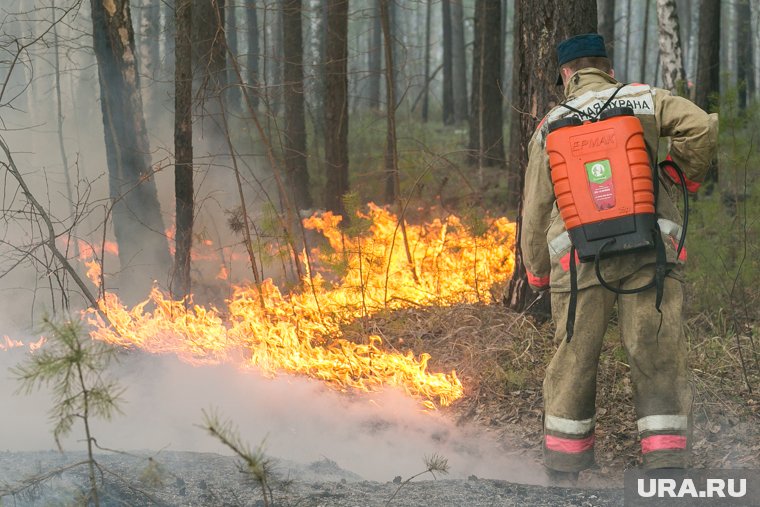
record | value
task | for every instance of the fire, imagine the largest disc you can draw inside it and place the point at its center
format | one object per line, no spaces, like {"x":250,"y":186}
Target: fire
{"x":8,"y":343}
{"x":94,"y":272}
{"x":301,"y":332}
{"x":89,"y":251}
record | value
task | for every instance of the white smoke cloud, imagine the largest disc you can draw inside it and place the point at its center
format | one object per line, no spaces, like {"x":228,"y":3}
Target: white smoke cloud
{"x":377,"y":436}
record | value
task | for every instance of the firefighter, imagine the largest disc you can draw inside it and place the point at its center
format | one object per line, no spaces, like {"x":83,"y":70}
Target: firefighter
{"x":654,"y":341}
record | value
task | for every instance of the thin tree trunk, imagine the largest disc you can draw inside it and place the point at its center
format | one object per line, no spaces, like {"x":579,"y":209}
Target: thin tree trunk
{"x":607,"y":25}
{"x":755,"y":13}
{"x":274,"y":58}
{"x":138,"y":225}
{"x":392,"y":190}
{"x":671,"y":60}
{"x":183,"y":147}
{"x":426,"y":84}
{"x":627,"y":62}
{"x":375,"y":58}
{"x":210,"y":69}
{"x":486,"y":113}
{"x":539,"y":26}
{"x":336,"y":106}
{"x":728,"y":33}
{"x":231,"y":35}
{"x":448,"y":77}
{"x":252,"y":58}
{"x":61,"y":142}
{"x":459,"y":61}
{"x":168,"y":33}
{"x":745,"y":73}
{"x":708,"y":62}
{"x":643,"y":68}
{"x":295,"y":122}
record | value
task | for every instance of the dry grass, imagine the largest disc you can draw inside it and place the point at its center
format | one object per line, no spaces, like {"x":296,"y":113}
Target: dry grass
{"x":501,"y":356}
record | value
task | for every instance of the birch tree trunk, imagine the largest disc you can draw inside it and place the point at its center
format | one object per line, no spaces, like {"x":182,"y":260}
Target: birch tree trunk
{"x":539,"y":26}
{"x":728,"y":44}
{"x":671,"y":58}
{"x":136,"y":213}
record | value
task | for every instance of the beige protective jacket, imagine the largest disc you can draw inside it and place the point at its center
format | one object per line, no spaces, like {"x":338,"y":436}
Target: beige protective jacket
{"x":693,"y":142}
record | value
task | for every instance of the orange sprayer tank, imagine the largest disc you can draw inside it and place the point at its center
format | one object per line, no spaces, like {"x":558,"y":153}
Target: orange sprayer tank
{"x":603,"y":183}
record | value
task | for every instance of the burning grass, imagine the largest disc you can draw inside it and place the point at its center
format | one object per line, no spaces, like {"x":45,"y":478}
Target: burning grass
{"x":302,"y":332}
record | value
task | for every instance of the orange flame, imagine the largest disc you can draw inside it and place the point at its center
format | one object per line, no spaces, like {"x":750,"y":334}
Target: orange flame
{"x":301,"y":332}
{"x":8,"y":343}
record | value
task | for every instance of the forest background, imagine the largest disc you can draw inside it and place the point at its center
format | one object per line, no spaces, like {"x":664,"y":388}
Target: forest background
{"x":181,"y":143}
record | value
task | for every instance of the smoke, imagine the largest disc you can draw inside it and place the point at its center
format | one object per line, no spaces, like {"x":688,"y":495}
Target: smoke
{"x":377,"y":436}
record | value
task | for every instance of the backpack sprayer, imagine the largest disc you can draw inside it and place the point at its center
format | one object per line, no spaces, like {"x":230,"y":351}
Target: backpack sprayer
{"x":606,"y":192}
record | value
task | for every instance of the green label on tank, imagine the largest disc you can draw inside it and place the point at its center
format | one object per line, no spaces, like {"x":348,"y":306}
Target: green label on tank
{"x":599,"y":171}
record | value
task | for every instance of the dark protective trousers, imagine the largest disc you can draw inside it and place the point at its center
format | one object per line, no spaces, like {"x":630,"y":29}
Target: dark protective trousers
{"x":661,"y":390}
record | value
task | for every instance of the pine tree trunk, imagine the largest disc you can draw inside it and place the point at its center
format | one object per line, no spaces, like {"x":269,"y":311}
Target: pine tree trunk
{"x":375,"y":58}
{"x":671,"y":59}
{"x":183,"y":148}
{"x":459,"y":61}
{"x":708,"y":61}
{"x":486,"y":115}
{"x":607,"y":25}
{"x":448,"y":77}
{"x":295,"y":123}
{"x":136,"y":213}
{"x":336,"y":106}
{"x":392,"y":190}
{"x":252,"y":57}
{"x":539,"y":27}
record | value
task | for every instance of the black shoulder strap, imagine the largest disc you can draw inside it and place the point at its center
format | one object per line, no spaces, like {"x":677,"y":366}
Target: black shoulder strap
{"x":596,"y":116}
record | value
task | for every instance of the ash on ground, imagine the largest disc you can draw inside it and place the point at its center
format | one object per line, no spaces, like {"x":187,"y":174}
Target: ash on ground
{"x":207,"y":479}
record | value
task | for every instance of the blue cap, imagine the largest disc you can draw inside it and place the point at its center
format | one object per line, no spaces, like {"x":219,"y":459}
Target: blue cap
{"x":588,"y":44}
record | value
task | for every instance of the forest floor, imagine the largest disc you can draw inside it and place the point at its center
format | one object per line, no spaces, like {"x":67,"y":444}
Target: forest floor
{"x":501,"y":357}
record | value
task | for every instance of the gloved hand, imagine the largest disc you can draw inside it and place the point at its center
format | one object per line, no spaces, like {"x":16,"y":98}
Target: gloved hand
{"x":691,"y":186}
